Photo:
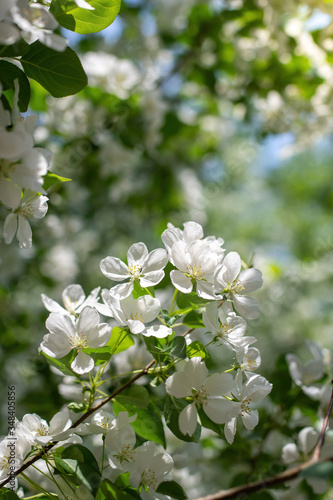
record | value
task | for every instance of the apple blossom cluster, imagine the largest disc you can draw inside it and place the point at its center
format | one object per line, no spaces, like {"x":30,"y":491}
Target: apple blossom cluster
{"x":30,"y":21}
{"x":22,"y":171}
{"x":208,"y":283}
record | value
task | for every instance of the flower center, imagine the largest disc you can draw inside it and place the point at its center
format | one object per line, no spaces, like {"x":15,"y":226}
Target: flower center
{"x":199,"y":397}
{"x":137,"y":317}
{"x":70,"y":305}
{"x":4,"y":463}
{"x":105,"y":423}
{"x":42,"y":430}
{"x":236,"y":287}
{"x":195,"y":272}
{"x":149,"y":479}
{"x":249,"y":364}
{"x":134,"y":271}
{"x":78,"y":341}
{"x":25,"y":210}
{"x":126,"y":454}
{"x":245,"y":406}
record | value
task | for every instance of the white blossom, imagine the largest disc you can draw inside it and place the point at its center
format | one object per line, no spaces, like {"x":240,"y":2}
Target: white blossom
{"x":38,"y":431}
{"x":74,"y":300}
{"x":235,"y":284}
{"x":206,"y":392}
{"x":67,"y":334}
{"x":31,"y":206}
{"x":228,"y":329}
{"x":143,"y":267}
{"x":255,"y":388}
{"x":134,"y":313}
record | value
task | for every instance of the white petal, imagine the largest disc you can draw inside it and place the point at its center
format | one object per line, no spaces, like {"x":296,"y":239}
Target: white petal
{"x":10,"y":228}
{"x":178,"y":385}
{"x":210,"y":318}
{"x":206,"y":291}
{"x":88,"y":322}
{"x":231,"y":267}
{"x":82,"y":363}
{"x":114,"y":269}
{"x":122,"y":291}
{"x":158,"y":331}
{"x":135,"y":326}
{"x":251,"y":419}
{"x":55,"y":346}
{"x":101,"y":336}
{"x":188,"y":420}
{"x":192,"y":231}
{"x":60,"y":324}
{"x":24,"y":233}
{"x":295,"y":368}
{"x":73,"y":296}
{"x":60,"y":422}
{"x":84,"y":5}
{"x":155,"y":261}
{"x":221,"y":410}
{"x":290,"y":453}
{"x":180,"y":256}
{"x":151,"y":279}
{"x":230,"y":430}
{"x":51,"y":305}
{"x":251,"y":279}
{"x":219,"y":384}
{"x":246,"y":306}
{"x":181,"y":282}
{"x":196,"y":372}
{"x":137,"y":254}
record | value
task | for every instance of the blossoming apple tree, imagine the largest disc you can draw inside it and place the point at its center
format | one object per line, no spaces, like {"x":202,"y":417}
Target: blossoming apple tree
{"x":119,"y":433}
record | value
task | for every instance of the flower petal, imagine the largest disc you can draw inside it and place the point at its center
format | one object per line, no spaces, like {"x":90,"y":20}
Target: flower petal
{"x":114,"y":269}
{"x":137,"y":254}
{"x":188,"y":419}
{"x":181,"y":282}
{"x":82,"y":363}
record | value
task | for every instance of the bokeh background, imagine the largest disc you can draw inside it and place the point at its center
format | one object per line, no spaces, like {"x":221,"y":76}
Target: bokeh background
{"x":214,"y":111}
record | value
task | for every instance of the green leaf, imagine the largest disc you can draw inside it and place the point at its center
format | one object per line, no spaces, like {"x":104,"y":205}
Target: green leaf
{"x":170,"y":320}
{"x":16,"y":49}
{"x":209,"y":424}
{"x":77,"y":407}
{"x":148,"y":423}
{"x":85,"y":21}
{"x":60,"y":73}
{"x":189,"y":300}
{"x":99,"y":354}
{"x":172,"y":489}
{"x":120,"y":340}
{"x":7,"y":494}
{"x":155,"y":346}
{"x":50,"y":179}
{"x":322,"y":470}
{"x":108,"y":491}
{"x":194,"y":319}
{"x":196,"y":349}
{"x":63,"y":364}
{"x":136,"y":395}
{"x":79,"y":466}
{"x":176,"y":348}
{"x":8,"y":74}
{"x":172,"y":409}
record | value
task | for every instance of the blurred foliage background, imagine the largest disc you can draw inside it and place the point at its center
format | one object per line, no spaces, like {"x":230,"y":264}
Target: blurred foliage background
{"x":214,"y":111}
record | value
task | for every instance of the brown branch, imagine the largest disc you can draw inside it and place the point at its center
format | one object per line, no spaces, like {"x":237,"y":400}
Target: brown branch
{"x":285,"y":476}
{"x":47,"y":448}
{"x":262,"y":484}
{"x":321,"y":440}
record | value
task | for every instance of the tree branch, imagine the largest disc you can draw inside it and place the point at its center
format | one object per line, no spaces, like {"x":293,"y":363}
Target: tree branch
{"x":321,"y":440}
{"x":47,"y":448}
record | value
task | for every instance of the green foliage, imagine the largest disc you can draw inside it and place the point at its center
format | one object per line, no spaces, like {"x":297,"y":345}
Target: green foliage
{"x":60,"y":73}
{"x":172,"y":489}
{"x":78,"y":465}
{"x":85,"y":21}
{"x":63,"y":364}
{"x":109,"y":491}
{"x":8,"y":74}
{"x":135,"y":395}
{"x":50,"y":179}
{"x":148,"y":423}
{"x":172,"y":409}
{"x":162,"y":351}
{"x":120,"y":340}
{"x":196,"y":349}
{"x":7,"y":494}
{"x":319,"y":471}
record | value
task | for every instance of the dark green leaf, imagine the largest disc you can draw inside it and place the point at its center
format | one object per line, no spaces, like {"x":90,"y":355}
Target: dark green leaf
{"x":194,"y":319}
{"x":209,"y":424}
{"x":79,"y":466}
{"x":136,"y":395}
{"x":108,"y":491}
{"x":321,"y":470}
{"x":196,"y":349}
{"x":63,"y":364}
{"x":16,"y":49}
{"x":120,"y":340}
{"x":170,"y":320}
{"x":50,"y":179}
{"x":60,"y":73}
{"x":7,"y":494}
{"x":189,"y":300}
{"x":148,"y":423}
{"x":172,"y":489}
{"x":172,"y":409}
{"x":99,"y":354}
{"x":85,"y":21}
{"x":176,"y":348}
{"x":8,"y":74}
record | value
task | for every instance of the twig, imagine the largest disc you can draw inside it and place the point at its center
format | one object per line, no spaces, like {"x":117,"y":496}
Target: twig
{"x":47,"y":448}
{"x":279,"y":478}
{"x":321,"y":440}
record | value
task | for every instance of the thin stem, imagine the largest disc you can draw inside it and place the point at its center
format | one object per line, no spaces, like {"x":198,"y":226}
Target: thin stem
{"x":173,"y":301}
{"x":321,"y":440}
{"x":35,"y":485}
